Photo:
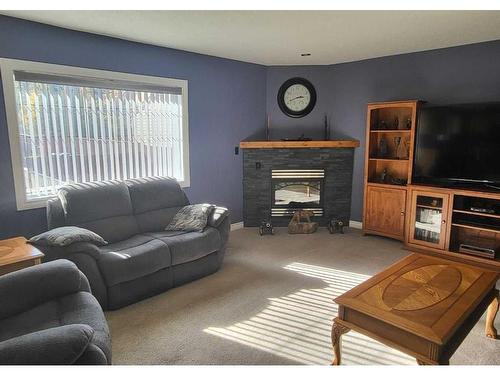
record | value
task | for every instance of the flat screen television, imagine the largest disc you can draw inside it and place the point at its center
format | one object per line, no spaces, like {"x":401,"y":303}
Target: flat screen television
{"x":458,"y":146}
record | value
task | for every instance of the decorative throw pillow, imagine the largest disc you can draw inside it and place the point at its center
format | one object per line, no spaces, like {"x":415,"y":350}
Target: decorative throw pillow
{"x":217,"y":217}
{"x":192,"y":218}
{"x":64,"y":236}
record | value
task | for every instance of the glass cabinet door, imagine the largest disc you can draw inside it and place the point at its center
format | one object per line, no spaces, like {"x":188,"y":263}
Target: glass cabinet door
{"x":428,"y":221}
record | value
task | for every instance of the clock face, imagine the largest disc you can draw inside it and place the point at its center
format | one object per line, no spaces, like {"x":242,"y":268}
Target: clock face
{"x":297,"y":97}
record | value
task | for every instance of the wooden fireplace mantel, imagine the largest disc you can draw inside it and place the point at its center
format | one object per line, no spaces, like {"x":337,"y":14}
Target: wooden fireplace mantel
{"x":300,"y":144}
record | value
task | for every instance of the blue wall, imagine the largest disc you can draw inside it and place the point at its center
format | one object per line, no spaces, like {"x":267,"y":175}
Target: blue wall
{"x":226,"y":105}
{"x":451,"y":75}
{"x":228,"y":100}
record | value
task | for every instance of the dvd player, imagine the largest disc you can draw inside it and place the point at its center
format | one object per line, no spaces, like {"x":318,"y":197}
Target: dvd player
{"x":478,"y":251}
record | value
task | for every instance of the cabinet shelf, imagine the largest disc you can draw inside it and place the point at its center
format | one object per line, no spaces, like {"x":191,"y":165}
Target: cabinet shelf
{"x":476,"y":227}
{"x":390,"y":159}
{"x":477,"y":213}
{"x":390,"y":131}
{"x":453,"y":254}
{"x":386,"y":185}
{"x":429,"y":207}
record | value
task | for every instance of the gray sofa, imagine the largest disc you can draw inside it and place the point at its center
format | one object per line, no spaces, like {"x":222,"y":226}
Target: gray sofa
{"x":49,"y":316}
{"x":141,"y":259}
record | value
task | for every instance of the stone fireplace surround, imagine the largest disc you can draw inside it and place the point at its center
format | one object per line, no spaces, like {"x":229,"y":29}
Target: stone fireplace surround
{"x":336,"y":158}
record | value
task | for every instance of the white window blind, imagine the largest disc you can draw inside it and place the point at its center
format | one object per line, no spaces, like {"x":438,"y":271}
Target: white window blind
{"x":83,"y":129}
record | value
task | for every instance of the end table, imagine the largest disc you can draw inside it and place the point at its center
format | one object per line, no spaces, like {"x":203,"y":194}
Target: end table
{"x":16,"y":254}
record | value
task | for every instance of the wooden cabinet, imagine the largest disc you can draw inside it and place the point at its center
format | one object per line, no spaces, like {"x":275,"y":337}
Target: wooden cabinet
{"x":454,"y":223}
{"x":385,"y":211}
{"x":428,"y":223}
{"x":440,"y":220}
{"x":390,"y":136}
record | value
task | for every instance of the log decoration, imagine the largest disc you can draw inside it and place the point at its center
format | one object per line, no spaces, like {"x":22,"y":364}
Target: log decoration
{"x":297,"y":225}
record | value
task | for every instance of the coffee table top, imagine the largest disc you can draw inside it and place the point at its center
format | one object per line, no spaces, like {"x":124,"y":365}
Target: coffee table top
{"x":14,"y":250}
{"x":427,"y":296}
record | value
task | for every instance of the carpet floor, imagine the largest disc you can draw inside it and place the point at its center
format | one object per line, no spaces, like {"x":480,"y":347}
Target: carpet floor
{"x":271,"y":303}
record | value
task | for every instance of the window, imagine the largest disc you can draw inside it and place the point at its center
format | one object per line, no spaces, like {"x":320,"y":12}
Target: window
{"x":70,"y":125}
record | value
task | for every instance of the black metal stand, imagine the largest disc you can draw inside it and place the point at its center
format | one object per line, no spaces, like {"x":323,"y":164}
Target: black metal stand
{"x":266,"y":227}
{"x":336,"y":226}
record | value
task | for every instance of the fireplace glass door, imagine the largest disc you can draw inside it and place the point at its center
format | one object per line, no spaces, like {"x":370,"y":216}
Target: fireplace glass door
{"x":295,"y":189}
{"x":297,"y":193}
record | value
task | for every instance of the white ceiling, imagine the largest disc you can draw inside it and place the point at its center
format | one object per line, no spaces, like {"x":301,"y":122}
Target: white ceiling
{"x":279,"y":37}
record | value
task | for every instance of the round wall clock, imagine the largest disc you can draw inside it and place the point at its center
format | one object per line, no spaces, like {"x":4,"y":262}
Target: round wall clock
{"x":297,"y":97}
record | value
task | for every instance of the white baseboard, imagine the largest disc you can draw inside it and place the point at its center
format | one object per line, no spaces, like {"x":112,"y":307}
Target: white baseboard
{"x":356,"y":224}
{"x":236,"y":226}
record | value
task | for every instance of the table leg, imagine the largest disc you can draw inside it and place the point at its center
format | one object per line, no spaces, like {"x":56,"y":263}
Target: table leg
{"x":337,"y":331}
{"x":490,"y":330}
{"x":442,"y":362}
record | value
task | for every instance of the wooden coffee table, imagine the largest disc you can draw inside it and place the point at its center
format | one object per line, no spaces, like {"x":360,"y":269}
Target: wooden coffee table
{"x":422,"y":305}
{"x":16,"y":254}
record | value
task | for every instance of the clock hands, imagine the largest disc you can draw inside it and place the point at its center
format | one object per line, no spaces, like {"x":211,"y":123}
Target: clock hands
{"x":297,"y":97}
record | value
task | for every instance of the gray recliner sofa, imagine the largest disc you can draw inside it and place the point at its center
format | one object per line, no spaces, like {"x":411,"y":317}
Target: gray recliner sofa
{"x":48,"y":316}
{"x":141,"y":259}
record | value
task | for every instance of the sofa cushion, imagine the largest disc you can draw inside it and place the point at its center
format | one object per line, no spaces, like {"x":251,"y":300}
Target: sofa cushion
{"x":32,"y":286}
{"x":186,"y":247}
{"x":61,"y":345}
{"x":156,"y":220}
{"x":132,"y":258}
{"x":102,"y":207}
{"x":94,"y":200}
{"x":76,"y":308}
{"x":113,"y":229}
{"x":153,"y":193}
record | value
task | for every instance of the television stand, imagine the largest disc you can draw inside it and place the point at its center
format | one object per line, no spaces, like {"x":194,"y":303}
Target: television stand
{"x":453,"y":222}
{"x":429,"y":219}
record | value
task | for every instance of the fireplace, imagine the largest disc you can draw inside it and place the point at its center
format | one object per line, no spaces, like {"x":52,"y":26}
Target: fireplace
{"x":310,"y":165}
{"x":294,"y":189}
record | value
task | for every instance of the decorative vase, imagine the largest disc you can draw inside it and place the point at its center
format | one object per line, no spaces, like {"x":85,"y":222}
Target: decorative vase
{"x":406,"y":147}
{"x":397,"y":144}
{"x":382,"y":148}
{"x":401,"y":148}
{"x":408,"y":123}
{"x":383,"y":176}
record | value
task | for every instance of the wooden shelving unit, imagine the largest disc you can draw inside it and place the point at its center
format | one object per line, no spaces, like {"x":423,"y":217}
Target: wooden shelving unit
{"x":428,"y":219}
{"x":385,"y":200}
{"x":459,"y":224}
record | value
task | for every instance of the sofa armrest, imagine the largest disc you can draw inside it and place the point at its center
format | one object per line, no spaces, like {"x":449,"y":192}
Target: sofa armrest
{"x":62,"y":252}
{"x":84,"y":283}
{"x":217,"y":216}
{"x":59,"y":345}
{"x":29,"y":287}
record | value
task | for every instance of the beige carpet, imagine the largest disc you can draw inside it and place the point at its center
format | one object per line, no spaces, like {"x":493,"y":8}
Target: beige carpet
{"x":270,"y":304}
